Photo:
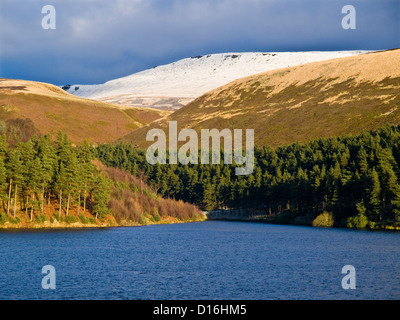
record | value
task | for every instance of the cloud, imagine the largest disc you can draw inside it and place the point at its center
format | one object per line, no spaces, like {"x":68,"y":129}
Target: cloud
{"x":98,"y":40}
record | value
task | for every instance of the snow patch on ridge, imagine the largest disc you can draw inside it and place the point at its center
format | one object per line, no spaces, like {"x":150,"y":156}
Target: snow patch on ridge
{"x":174,"y":85}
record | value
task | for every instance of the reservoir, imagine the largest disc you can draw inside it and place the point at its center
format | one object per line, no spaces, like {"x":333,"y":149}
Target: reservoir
{"x":200,"y":261}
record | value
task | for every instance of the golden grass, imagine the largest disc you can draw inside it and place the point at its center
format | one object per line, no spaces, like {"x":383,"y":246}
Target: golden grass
{"x":320,"y":99}
{"x":52,"y":109}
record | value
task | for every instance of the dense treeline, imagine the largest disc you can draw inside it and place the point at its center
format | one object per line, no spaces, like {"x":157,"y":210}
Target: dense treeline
{"x":348,"y":176}
{"x":40,"y":171}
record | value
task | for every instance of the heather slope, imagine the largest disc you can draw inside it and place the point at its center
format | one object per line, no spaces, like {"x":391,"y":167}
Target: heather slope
{"x":52,"y":109}
{"x":319,"y":99}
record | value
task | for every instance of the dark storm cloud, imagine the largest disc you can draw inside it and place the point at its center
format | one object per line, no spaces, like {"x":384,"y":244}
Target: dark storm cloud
{"x":98,"y":40}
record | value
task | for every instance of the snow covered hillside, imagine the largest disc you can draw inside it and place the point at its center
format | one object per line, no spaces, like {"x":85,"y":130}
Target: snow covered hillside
{"x":174,"y":85}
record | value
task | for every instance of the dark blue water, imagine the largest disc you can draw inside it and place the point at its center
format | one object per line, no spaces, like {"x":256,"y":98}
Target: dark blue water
{"x":209,"y":260}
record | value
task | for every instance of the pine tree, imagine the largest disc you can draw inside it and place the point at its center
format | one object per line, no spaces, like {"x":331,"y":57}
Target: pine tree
{"x":396,"y":203}
{"x":48,"y":159}
{"x":85,"y":173}
{"x":388,"y":182}
{"x":3,"y":146}
{"x":71,"y":178}
{"x":101,"y":196}
{"x":15,"y":171}
{"x":27,"y":151}
{"x":208,"y":201}
{"x":323,"y":186}
{"x":35,"y":178}
{"x":374,"y":196}
{"x":48,"y":165}
{"x":60,"y":185}
{"x":3,"y":182}
{"x":315,"y":184}
{"x":334,"y":176}
{"x":362,"y":160}
{"x":361,"y":207}
{"x":68,"y":162}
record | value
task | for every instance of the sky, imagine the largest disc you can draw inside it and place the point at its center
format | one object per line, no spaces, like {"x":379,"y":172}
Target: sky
{"x":99,"y":40}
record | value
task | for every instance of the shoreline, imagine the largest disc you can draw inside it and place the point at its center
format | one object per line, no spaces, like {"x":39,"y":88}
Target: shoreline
{"x":111,"y":223}
{"x":78,"y":226}
{"x":268,"y":220}
{"x":108,"y":223}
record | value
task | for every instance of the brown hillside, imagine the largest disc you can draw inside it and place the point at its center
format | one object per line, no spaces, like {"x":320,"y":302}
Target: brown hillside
{"x":52,"y":109}
{"x":321,"y":99}
{"x":135,"y":202}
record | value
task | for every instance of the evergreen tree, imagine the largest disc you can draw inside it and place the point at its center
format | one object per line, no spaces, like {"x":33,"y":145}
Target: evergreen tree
{"x":101,"y":195}
{"x":3,"y":182}
{"x":388,"y":182}
{"x":208,"y":201}
{"x":86,"y":172}
{"x":361,"y":207}
{"x":60,"y":185}
{"x":3,"y":146}
{"x":35,"y":183}
{"x":48,"y":158}
{"x":362,"y":161}
{"x":396,"y":203}
{"x":15,"y":171}
{"x":374,"y":196}
{"x":71,"y":179}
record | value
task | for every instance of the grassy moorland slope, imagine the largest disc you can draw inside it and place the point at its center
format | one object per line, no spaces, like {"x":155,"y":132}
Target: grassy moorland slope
{"x":320,"y":99}
{"x":51,"y":109}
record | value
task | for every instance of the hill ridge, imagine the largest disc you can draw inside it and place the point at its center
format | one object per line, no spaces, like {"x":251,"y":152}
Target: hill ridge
{"x":173,"y":85}
{"x":51,"y":109}
{"x":319,"y":99}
